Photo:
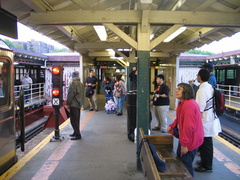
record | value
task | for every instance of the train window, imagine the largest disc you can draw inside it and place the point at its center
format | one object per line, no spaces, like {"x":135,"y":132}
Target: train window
{"x":231,"y":74}
{"x":220,"y":75}
{"x":4,"y":85}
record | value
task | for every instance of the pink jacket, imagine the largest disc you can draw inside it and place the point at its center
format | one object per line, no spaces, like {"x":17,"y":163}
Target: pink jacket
{"x":189,"y":122}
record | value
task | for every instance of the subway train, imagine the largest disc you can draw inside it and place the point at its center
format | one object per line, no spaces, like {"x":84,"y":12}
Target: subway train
{"x":7,"y":109}
{"x":227,"y":74}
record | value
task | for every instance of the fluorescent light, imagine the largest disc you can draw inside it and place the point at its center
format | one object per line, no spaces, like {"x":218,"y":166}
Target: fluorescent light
{"x":151,"y":36}
{"x":175,"y":34}
{"x":101,"y":32}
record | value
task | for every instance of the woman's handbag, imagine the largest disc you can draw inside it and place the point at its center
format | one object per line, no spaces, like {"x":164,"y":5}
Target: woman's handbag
{"x":157,"y":157}
{"x":118,"y":94}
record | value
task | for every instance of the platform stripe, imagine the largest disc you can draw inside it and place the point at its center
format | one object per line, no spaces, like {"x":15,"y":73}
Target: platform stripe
{"x":46,"y":170}
{"x":234,"y":148}
{"x":51,"y":164}
{"x":233,"y":167}
{"x":227,"y":162}
{"x":16,"y":167}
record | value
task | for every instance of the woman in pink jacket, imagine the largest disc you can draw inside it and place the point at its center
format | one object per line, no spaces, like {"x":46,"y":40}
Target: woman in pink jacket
{"x":187,"y":126}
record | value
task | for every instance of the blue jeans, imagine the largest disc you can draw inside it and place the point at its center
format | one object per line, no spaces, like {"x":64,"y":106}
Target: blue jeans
{"x":26,"y":92}
{"x":120,"y":102}
{"x":187,"y":158}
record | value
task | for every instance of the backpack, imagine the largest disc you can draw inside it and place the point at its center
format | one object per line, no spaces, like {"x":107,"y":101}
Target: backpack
{"x":219,"y":102}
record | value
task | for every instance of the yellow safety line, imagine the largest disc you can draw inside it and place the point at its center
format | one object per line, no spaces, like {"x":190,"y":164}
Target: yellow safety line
{"x":232,"y":107}
{"x":234,"y":148}
{"x":16,"y":167}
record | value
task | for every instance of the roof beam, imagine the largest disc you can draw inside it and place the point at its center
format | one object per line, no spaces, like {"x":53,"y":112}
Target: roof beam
{"x":128,"y":17}
{"x":164,"y":35}
{"x":197,"y":35}
{"x":102,"y":45}
{"x":121,"y":34}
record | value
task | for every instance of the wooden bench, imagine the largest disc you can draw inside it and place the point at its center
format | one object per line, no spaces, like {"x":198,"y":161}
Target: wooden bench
{"x":175,"y":169}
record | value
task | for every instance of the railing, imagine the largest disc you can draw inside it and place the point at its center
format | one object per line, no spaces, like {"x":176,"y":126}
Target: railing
{"x":36,"y":92}
{"x":232,"y":95}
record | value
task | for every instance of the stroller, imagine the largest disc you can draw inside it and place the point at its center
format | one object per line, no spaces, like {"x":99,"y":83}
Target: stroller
{"x":110,"y":106}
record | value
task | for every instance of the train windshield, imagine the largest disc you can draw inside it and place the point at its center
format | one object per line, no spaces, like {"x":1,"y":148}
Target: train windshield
{"x":4,"y":85}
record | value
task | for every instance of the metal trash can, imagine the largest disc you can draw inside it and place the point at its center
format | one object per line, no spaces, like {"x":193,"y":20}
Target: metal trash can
{"x":131,"y":114}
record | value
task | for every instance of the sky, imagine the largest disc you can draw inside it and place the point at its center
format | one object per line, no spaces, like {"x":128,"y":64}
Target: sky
{"x":26,"y":34}
{"x":224,"y":45}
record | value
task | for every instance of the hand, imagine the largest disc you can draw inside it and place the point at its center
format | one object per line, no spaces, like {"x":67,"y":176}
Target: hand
{"x":169,"y":129}
{"x":184,"y":150}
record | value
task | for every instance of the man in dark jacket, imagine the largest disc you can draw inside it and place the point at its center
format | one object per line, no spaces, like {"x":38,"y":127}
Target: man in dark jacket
{"x":161,"y":103}
{"x":133,"y":79}
{"x":75,"y":99}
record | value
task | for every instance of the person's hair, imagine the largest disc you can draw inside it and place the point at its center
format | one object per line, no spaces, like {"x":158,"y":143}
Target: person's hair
{"x":188,"y":92}
{"x":204,"y":74}
{"x":118,"y":77}
{"x":90,"y":70}
{"x":107,"y":78}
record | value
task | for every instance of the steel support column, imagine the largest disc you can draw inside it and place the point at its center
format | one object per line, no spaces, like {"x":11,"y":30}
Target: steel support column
{"x":143,"y":92}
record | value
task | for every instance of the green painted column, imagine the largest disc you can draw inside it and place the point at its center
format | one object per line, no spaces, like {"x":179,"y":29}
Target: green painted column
{"x":143,"y":91}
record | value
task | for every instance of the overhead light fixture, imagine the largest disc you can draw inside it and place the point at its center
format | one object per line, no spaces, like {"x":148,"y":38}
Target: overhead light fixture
{"x":101,"y":32}
{"x":175,"y":34}
{"x":151,"y":36}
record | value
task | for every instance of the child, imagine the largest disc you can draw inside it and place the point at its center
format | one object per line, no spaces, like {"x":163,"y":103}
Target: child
{"x":110,"y":106}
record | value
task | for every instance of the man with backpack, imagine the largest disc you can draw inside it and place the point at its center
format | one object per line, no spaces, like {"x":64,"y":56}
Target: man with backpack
{"x":211,"y":123}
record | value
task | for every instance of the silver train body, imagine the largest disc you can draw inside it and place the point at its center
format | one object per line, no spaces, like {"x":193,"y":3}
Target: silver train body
{"x":7,"y":112}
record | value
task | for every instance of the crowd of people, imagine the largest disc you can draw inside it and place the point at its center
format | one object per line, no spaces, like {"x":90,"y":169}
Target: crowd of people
{"x":195,"y":123}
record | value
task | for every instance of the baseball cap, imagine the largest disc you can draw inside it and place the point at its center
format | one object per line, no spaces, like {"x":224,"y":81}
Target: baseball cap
{"x":75,"y":74}
{"x":26,"y":73}
{"x":207,"y":66}
{"x":160,"y":76}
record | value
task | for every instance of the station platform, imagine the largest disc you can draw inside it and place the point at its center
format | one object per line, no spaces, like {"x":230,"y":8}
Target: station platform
{"x":104,"y":153}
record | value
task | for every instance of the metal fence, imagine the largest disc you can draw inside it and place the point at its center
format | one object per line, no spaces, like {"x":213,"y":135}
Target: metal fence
{"x":232,"y":95}
{"x":35,"y":93}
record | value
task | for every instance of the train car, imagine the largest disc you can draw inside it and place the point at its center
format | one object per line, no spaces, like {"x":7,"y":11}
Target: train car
{"x":228,"y":74}
{"x":7,"y":105}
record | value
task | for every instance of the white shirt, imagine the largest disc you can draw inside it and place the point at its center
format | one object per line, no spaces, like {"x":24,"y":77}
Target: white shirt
{"x":204,"y":98}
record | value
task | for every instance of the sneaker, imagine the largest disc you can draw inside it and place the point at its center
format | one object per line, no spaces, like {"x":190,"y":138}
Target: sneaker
{"x":91,"y":109}
{"x":202,"y":169}
{"x":156,"y":128}
{"x":96,"y":110}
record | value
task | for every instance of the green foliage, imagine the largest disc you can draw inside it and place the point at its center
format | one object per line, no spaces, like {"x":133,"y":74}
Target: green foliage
{"x":19,"y":46}
{"x":9,"y":43}
{"x":60,"y":50}
{"x":195,"y":51}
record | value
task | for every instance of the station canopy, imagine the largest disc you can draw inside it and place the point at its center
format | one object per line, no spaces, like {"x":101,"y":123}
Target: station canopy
{"x":130,"y":24}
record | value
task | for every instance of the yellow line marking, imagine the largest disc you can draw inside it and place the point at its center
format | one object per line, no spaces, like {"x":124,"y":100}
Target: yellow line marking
{"x":234,"y":148}
{"x":16,"y":167}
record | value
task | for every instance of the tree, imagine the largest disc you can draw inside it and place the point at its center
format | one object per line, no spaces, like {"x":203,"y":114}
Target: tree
{"x":9,"y":43}
{"x":60,"y":50}
{"x":195,"y":51}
